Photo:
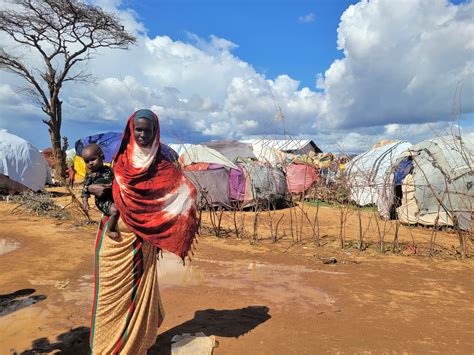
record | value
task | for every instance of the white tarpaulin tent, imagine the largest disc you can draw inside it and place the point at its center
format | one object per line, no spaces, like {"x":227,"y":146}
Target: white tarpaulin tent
{"x":198,"y":153}
{"x":22,"y":162}
{"x":440,"y":188}
{"x":366,"y":172}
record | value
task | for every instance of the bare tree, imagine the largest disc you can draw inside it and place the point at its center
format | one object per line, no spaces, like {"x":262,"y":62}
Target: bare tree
{"x":62,"y":33}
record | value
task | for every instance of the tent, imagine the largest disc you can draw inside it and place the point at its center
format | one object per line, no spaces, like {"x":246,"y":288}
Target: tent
{"x":22,"y":162}
{"x":293,"y":146}
{"x":212,"y":185}
{"x":437,"y":184}
{"x":366,"y":172}
{"x":197,"y":153}
{"x":232,"y":150}
{"x":300,"y":177}
{"x":267,"y":183}
{"x":109,"y":142}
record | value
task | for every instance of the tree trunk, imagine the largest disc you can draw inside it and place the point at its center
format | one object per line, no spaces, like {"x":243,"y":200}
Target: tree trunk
{"x":59,"y":150}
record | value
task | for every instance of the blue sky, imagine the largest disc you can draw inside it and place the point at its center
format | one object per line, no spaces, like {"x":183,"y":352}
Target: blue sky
{"x":268,"y":33}
{"x":220,"y":70}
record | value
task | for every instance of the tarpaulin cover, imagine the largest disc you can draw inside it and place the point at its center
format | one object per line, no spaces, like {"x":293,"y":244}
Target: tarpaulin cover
{"x":444,"y":172}
{"x":237,"y":184}
{"x":268,"y":183}
{"x":109,"y":142}
{"x":232,"y":150}
{"x":22,"y":162}
{"x":367,"y":171}
{"x":212,"y":186}
{"x":197,"y":153}
{"x":405,"y":168}
{"x":300,"y":177}
{"x":196,"y":166}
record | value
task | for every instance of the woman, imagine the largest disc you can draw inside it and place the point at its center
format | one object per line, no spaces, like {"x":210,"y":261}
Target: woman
{"x":157,"y":206}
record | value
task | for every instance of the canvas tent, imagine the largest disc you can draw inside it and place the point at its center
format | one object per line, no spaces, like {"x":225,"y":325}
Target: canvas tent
{"x":198,"y":153}
{"x":109,"y":142}
{"x":232,"y":150}
{"x":366,"y":172}
{"x":293,"y":146}
{"x":22,"y":162}
{"x":267,"y":183}
{"x":212,"y":185}
{"x":438,"y":189}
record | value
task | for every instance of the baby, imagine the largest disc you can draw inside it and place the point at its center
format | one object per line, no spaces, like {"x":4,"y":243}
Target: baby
{"x":98,"y":173}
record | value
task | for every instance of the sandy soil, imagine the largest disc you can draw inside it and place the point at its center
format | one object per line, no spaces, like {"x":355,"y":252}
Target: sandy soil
{"x":256,"y":297}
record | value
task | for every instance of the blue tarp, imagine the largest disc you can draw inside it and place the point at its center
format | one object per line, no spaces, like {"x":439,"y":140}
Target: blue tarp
{"x":110,"y":143}
{"x":405,"y":168}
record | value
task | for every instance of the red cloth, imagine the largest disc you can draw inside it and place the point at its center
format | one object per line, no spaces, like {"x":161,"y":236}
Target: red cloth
{"x":300,"y":177}
{"x":155,"y":199}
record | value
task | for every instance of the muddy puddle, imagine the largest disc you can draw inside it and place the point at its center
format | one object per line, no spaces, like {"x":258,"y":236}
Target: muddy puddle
{"x":279,"y":285}
{"x":8,"y":245}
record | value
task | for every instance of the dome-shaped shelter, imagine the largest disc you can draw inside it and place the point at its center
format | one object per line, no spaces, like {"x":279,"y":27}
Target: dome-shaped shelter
{"x":22,"y":162}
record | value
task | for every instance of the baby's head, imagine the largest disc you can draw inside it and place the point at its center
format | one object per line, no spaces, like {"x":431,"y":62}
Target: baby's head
{"x":93,"y":157}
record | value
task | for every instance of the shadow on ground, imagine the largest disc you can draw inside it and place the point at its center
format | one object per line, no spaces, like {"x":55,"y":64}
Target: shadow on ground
{"x":17,"y":300}
{"x":224,"y":323}
{"x":75,"y":341}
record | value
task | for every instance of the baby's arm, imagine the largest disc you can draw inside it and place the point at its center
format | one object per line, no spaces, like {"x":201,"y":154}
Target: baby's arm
{"x":85,"y":194}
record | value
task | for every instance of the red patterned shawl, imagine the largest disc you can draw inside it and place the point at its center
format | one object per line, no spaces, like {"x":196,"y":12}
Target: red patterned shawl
{"x":154,"y":197}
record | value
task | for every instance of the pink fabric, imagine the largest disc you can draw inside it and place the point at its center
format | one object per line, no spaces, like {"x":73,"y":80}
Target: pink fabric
{"x":300,"y":177}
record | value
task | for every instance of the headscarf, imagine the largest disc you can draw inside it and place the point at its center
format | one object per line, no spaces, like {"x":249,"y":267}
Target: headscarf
{"x":155,"y":199}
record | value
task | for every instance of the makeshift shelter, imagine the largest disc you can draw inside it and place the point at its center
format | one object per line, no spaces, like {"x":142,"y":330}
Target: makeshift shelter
{"x":49,"y":157}
{"x":197,"y":153}
{"x":366,"y":172}
{"x":268,"y":184}
{"x":300,"y":177}
{"x":109,"y":142}
{"x":22,"y":162}
{"x":212,"y":185}
{"x":264,"y":152}
{"x":232,"y":150}
{"x":293,"y":146}
{"x":432,"y":183}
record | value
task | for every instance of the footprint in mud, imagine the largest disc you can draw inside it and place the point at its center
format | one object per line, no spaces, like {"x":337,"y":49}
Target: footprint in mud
{"x":17,"y":300}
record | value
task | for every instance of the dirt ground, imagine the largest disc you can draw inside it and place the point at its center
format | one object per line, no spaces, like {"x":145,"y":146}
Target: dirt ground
{"x":255,"y":296}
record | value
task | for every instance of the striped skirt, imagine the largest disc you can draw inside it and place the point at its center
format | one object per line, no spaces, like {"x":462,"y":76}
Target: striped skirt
{"x":126,"y":311}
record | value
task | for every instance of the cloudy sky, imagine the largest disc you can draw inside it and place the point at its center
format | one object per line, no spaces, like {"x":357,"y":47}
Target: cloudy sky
{"x":343,"y":73}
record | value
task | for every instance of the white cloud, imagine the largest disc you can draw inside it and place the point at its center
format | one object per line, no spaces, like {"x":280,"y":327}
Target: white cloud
{"x":402,"y":62}
{"x":307,"y":18}
{"x":401,"y":66}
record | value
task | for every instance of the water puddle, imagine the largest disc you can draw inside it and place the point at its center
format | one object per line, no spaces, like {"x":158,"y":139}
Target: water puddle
{"x":8,"y":245}
{"x":276,"y":284}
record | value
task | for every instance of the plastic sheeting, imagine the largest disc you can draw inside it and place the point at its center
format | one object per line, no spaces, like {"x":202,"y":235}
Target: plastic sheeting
{"x":197,"y":153}
{"x":366,"y":172}
{"x":232,"y":150}
{"x":109,"y":142}
{"x":409,"y":213}
{"x":443,"y":173}
{"x":268,"y":183}
{"x":300,"y":177}
{"x":237,"y":184}
{"x":22,"y":162}
{"x":212,"y":186}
